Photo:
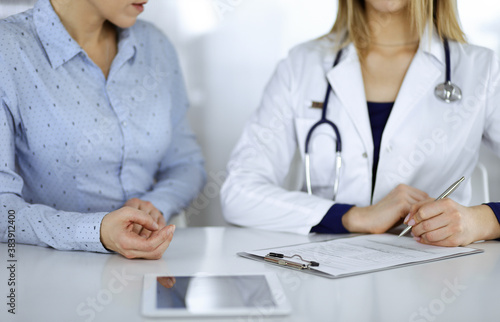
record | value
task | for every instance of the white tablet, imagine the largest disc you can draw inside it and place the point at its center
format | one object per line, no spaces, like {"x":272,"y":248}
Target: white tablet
{"x":213,"y":295}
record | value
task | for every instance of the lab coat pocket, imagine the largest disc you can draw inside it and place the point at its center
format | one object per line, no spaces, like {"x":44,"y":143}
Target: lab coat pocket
{"x":322,"y":147}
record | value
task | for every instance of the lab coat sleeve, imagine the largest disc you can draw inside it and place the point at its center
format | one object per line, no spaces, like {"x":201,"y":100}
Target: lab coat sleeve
{"x":35,"y":224}
{"x":491,"y":136}
{"x":181,"y":174}
{"x":252,"y":194}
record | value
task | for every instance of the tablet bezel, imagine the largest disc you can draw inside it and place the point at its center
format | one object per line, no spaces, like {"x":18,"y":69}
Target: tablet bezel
{"x":149,"y":308}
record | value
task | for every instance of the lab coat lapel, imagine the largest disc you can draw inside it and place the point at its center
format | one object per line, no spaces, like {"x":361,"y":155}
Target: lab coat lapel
{"x":421,"y":78}
{"x":347,"y":84}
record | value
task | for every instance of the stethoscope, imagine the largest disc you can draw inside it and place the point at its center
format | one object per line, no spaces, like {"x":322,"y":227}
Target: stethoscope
{"x":447,"y":91}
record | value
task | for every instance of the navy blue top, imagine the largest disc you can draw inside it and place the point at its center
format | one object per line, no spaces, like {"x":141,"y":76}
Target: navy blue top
{"x":379,"y":114}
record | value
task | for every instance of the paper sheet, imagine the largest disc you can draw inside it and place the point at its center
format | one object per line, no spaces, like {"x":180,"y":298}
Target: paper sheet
{"x":367,"y":253}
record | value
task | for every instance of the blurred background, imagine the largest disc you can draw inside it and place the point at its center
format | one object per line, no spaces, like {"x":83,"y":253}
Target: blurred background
{"x":229,"y":49}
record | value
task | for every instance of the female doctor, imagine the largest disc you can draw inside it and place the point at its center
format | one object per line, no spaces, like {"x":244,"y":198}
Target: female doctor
{"x":410,"y":103}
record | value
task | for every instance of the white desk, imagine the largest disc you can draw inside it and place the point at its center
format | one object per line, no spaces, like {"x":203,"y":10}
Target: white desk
{"x":52,"y":284}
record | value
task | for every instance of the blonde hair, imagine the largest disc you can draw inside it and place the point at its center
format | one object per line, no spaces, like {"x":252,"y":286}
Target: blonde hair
{"x":351,"y":23}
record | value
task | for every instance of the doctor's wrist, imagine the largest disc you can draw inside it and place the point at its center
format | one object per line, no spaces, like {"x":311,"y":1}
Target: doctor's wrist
{"x":354,"y":220}
{"x":488,"y":225}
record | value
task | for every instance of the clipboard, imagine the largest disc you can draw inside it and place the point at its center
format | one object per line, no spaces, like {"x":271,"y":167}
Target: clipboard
{"x":279,"y":259}
{"x":357,"y":255}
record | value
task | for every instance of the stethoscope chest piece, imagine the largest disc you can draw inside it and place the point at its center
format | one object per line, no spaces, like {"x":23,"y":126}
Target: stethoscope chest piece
{"x":448,"y":92}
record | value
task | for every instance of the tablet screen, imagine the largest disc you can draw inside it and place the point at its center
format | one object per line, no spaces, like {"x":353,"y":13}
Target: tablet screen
{"x":212,"y":293}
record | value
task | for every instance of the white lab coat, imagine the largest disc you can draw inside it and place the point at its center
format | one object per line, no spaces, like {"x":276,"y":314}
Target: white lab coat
{"x":427,"y":143}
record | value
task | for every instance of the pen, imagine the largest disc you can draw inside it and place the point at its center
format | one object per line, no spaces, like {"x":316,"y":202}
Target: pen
{"x":445,"y":194}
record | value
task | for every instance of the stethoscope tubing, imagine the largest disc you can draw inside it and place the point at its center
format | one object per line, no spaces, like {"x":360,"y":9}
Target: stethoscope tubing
{"x":338,"y":148}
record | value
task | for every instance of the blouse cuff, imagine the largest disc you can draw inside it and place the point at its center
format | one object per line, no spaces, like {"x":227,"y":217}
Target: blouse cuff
{"x":88,"y":233}
{"x":332,"y":221}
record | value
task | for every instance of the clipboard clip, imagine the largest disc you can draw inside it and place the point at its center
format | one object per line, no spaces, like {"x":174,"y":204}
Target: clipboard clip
{"x":279,"y":259}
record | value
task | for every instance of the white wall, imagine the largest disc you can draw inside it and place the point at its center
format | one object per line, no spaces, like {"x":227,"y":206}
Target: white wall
{"x":229,"y":48}
{"x":10,"y":7}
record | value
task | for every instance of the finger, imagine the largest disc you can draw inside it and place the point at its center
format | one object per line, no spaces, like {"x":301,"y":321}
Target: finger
{"x":419,"y":204}
{"x":134,"y":203}
{"x":436,"y":236}
{"x":415,"y":208}
{"x":139,"y":217}
{"x":138,"y":244}
{"x":161,"y":220}
{"x":170,"y":232}
{"x":146,"y":206}
{"x":449,"y":241}
{"x":155,"y":235}
{"x":432,"y":209}
{"x":158,"y":218}
{"x":430,"y":225}
{"x":163,"y":247}
{"x":417,"y":194}
{"x":412,"y":192}
{"x":136,"y":229}
{"x":145,"y":233}
{"x":151,"y":252}
{"x":408,"y":212}
{"x":426,"y":211}
{"x":411,"y":197}
{"x":411,"y":201}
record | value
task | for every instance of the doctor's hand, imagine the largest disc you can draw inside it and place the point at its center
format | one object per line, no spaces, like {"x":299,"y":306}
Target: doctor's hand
{"x":117,"y":234}
{"x":151,"y":210}
{"x":447,"y":223}
{"x":383,"y":215}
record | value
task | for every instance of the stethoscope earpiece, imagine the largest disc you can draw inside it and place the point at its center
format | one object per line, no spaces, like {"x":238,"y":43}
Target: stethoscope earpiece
{"x":448,"y":92}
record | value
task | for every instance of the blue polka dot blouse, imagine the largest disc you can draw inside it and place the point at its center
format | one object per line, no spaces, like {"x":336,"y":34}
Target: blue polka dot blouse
{"x":74,"y":145}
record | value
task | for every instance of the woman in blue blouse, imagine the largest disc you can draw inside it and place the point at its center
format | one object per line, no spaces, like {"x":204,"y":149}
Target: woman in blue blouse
{"x":94,"y":141}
